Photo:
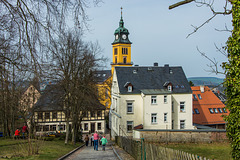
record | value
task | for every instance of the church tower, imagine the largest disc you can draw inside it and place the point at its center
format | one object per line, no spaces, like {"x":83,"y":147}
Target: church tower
{"x":121,"y":47}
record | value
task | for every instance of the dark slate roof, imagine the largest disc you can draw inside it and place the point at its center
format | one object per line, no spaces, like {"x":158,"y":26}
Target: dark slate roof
{"x":51,"y":99}
{"x":151,"y":80}
{"x":102,"y":75}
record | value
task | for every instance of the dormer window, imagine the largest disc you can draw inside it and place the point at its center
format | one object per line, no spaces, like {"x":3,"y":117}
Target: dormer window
{"x":129,"y":88}
{"x":169,"y":88}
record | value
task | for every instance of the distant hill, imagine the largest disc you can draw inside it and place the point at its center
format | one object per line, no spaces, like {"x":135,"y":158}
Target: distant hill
{"x":213,"y":81}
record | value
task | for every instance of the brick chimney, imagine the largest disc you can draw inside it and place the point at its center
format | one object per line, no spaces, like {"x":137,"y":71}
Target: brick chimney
{"x":202,"y":89}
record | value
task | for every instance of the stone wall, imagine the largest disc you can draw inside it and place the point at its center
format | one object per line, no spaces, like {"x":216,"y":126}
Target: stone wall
{"x":181,"y":135}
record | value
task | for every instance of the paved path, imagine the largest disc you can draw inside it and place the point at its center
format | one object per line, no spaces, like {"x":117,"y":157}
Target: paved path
{"x":108,"y":154}
{"x":90,"y":153}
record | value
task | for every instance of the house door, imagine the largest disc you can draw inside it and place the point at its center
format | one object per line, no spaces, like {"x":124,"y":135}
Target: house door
{"x":92,"y":127}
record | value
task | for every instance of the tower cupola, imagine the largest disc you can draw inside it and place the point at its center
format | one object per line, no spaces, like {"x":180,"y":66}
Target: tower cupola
{"x":121,"y":33}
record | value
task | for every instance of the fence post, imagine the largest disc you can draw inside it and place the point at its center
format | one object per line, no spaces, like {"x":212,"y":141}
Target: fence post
{"x":141,"y":148}
{"x":143,"y":151}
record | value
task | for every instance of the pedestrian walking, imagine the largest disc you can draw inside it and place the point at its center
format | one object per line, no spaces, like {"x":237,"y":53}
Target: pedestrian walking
{"x":92,"y":140}
{"x":86,"y":140}
{"x":96,"y":137}
{"x":100,"y":137}
{"x":24,"y":130}
{"x":104,"y":142}
{"x":17,"y":133}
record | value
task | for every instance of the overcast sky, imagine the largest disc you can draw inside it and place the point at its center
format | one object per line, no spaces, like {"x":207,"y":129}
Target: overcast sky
{"x":159,"y":35}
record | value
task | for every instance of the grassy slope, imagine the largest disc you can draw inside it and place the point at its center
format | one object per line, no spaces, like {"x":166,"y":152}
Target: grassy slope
{"x":219,"y":151}
{"x":49,"y":150}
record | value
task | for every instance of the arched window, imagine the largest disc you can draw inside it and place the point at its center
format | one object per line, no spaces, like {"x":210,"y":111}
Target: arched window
{"x":124,"y":60}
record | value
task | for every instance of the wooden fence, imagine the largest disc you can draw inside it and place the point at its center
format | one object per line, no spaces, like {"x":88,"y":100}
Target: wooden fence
{"x":142,"y":150}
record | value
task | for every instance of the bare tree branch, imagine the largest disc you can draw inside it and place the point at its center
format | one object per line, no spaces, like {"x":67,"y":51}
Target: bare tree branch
{"x":197,"y":28}
{"x":213,"y":63}
{"x":180,"y":3}
{"x":209,"y":4}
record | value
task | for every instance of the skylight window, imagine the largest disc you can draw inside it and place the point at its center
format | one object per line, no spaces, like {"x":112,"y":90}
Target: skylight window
{"x":224,"y":110}
{"x":182,"y":86}
{"x":196,"y":110}
{"x":194,"y":97}
{"x":211,"y":110}
{"x":176,"y":86}
{"x":215,"y":110}
{"x":220,"y":110}
{"x":199,"y":96}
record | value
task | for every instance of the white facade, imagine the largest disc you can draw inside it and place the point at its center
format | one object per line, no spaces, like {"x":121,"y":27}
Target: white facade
{"x":160,"y":110}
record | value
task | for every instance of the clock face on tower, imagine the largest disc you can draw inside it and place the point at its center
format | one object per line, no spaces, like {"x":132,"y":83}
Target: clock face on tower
{"x":116,"y":36}
{"x":124,"y":36}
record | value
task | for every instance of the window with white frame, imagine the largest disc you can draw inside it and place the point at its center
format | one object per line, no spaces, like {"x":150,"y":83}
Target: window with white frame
{"x":165,"y":98}
{"x":182,"y":106}
{"x":129,"y":126}
{"x":129,"y":88}
{"x":182,"y":124}
{"x":170,"y":88}
{"x":165,"y":117}
{"x":129,"y":107}
{"x":153,"y":99}
{"x":154,"y":117}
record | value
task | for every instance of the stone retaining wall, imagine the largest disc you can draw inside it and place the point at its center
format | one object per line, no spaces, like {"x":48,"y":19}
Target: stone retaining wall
{"x":181,"y":135}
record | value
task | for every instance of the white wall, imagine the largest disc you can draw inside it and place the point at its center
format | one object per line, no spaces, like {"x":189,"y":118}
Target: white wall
{"x":160,"y":108}
{"x":187,"y":115}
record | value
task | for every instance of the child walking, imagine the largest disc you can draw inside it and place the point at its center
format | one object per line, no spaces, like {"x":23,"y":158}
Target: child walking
{"x":104,"y":142}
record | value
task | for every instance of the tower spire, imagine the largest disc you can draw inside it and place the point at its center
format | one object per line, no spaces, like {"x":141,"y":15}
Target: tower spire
{"x":121,"y":23}
{"x":121,"y":12}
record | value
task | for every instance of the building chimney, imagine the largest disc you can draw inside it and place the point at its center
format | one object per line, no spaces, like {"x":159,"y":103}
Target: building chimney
{"x":155,"y":64}
{"x":202,"y":89}
{"x":166,"y":68}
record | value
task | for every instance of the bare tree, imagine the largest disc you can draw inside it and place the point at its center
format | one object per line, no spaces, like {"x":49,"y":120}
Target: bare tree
{"x":26,"y":28}
{"x":74,"y":63}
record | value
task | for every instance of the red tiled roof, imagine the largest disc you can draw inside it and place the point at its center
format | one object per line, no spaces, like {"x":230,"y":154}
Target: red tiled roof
{"x":209,"y":100}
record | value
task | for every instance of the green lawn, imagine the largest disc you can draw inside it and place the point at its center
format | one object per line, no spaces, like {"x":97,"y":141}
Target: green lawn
{"x":219,"y":151}
{"x":48,"y":150}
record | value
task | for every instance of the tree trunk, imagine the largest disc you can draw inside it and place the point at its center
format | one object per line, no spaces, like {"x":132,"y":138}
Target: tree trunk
{"x":67,"y":131}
